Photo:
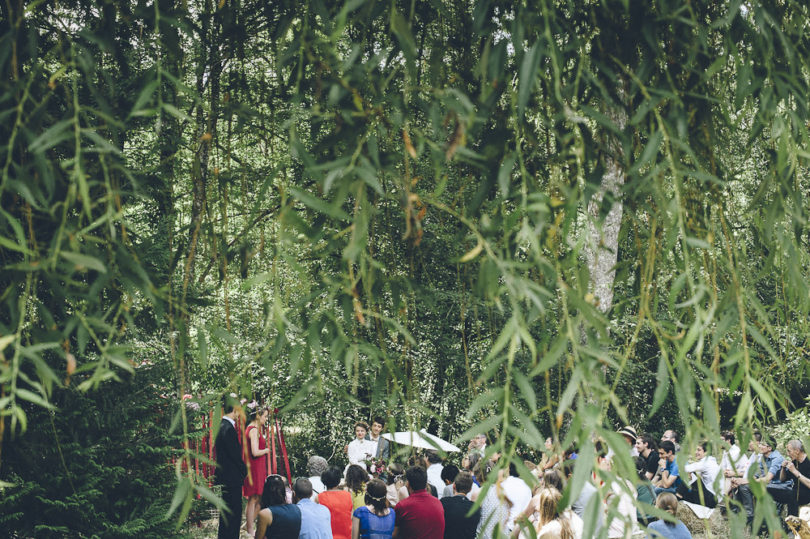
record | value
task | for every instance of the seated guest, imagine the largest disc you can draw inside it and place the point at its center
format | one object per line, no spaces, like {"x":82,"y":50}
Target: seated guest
{"x":580,"y":505}
{"x":394,"y":481}
{"x":732,"y":460}
{"x":553,"y":523}
{"x":315,"y":519}
{"x":494,"y":508}
{"x":648,"y":449}
{"x":551,"y":479}
{"x":767,"y":471}
{"x":315,"y":467}
{"x":517,"y":493}
{"x":622,"y":521}
{"x":448,"y":475}
{"x":375,"y":520}
{"x":339,"y":503}
{"x":629,"y":434}
{"x":420,"y":514}
{"x":277,"y":518}
{"x":740,"y":491}
{"x":668,"y":469}
{"x":356,"y":479}
{"x":663,"y":528}
{"x":701,"y":490}
{"x":672,"y":436}
{"x":797,"y":469}
{"x":458,"y":522}
{"x":644,"y":490}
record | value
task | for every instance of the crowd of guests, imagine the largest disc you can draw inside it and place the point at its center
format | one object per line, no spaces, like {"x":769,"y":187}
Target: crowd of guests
{"x":374,"y":498}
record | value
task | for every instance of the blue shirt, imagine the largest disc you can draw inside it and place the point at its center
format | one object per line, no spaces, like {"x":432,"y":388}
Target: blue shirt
{"x":659,"y":528}
{"x":374,"y":527}
{"x":672,"y":468}
{"x":316,"y":520}
{"x":772,"y":464}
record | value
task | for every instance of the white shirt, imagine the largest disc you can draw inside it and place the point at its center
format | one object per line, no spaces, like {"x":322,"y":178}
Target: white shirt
{"x":519,"y":494}
{"x":360,"y":450}
{"x":731,"y":458}
{"x":317,"y":486}
{"x":617,"y":525}
{"x":434,"y":477}
{"x":706,"y":469}
{"x":553,"y":529}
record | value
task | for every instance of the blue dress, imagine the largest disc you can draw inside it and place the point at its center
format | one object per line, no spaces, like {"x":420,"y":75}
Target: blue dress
{"x":659,"y":529}
{"x":286,"y":522}
{"x":374,"y":527}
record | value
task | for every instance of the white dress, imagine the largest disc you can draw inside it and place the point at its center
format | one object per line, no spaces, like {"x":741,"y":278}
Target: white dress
{"x":360,"y":450}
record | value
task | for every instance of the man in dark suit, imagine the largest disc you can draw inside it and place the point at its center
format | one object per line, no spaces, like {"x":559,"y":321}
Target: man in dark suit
{"x":231,"y":471}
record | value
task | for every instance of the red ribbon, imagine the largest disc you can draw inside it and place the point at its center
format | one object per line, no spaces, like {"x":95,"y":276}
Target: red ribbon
{"x":283,"y":446}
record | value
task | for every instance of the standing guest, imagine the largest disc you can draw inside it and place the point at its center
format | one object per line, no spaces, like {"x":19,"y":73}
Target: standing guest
{"x":257,"y":453}
{"x":494,"y":508}
{"x":701,"y":490}
{"x":671,"y":436}
{"x":383,"y":446}
{"x":315,"y":519}
{"x":468,"y":464}
{"x":278,"y":518}
{"x":360,"y":449}
{"x":553,"y":523}
{"x":797,"y":469}
{"x":448,"y":476}
{"x":420,"y":515}
{"x":375,"y":520}
{"x":648,"y":450}
{"x":433,"y":465}
{"x":629,"y":434}
{"x":459,"y":523}
{"x":550,"y":459}
{"x":667,"y":468}
{"x":231,"y":471}
{"x":315,"y":467}
{"x":356,"y":479}
{"x":518,"y":493}
{"x":339,"y":503}
{"x":667,"y":501}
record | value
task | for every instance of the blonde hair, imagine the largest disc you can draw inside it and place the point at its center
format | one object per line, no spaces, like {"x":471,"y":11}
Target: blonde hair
{"x":548,"y":508}
{"x":666,"y":501}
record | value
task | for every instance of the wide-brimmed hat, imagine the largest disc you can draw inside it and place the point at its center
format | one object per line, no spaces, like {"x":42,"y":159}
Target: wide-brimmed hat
{"x":628,"y":431}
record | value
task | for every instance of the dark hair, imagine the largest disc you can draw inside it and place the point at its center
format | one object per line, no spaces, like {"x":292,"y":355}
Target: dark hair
{"x":432,"y":489}
{"x":667,"y":501}
{"x":228,"y":404}
{"x":255,"y":413}
{"x":568,"y":452}
{"x":432,"y":457}
{"x":416,"y":477}
{"x":361,"y":424}
{"x":302,"y":488}
{"x":449,"y":473}
{"x":474,"y":458}
{"x":641,"y":467}
{"x":331,"y":477}
{"x":600,"y":448}
{"x":378,"y":419}
{"x":729,"y":437}
{"x":356,"y":477}
{"x":513,"y":471}
{"x":757,"y":435}
{"x":650,"y":441}
{"x":667,"y":446}
{"x":705,"y":445}
{"x":552,"y":478}
{"x":375,"y":496}
{"x":395,"y":470}
{"x":568,"y":467}
{"x":274,"y":492}
{"x":463,"y":482}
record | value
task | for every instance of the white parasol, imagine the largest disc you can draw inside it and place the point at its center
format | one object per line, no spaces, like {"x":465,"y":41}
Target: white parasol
{"x":420,"y":439}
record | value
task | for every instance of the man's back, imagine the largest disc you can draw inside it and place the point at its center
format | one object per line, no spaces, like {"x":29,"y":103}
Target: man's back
{"x":420,"y":516}
{"x":316,"y":520}
{"x":457,"y":525}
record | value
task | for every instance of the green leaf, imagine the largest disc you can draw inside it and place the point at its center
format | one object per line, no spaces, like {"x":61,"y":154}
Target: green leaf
{"x":319,"y":204}
{"x":84,"y":262}
{"x":528,"y":76}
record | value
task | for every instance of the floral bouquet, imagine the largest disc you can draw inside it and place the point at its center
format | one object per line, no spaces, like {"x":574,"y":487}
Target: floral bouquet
{"x":375,"y":467}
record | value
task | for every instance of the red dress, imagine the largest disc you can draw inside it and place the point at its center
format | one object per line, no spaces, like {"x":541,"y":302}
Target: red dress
{"x":257,"y":468}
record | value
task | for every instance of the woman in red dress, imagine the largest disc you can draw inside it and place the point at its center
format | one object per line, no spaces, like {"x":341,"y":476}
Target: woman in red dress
{"x":257,"y":466}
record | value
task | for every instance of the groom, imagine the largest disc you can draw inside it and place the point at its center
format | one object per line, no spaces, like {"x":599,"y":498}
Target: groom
{"x":231,"y":471}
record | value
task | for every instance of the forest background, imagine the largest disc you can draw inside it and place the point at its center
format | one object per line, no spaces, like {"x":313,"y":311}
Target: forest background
{"x":526,"y":219}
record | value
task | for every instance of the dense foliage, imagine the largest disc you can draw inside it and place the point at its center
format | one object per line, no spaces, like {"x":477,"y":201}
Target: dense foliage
{"x":527,"y":219}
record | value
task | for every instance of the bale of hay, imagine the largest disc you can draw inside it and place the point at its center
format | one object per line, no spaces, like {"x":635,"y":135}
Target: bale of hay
{"x":717,"y":524}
